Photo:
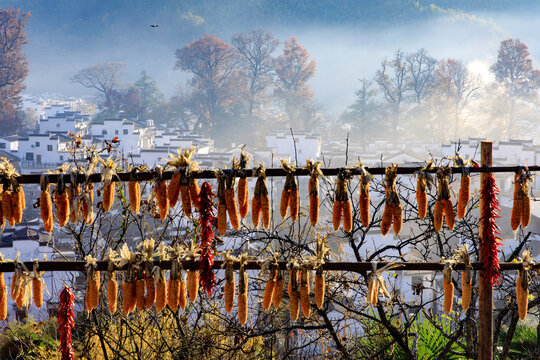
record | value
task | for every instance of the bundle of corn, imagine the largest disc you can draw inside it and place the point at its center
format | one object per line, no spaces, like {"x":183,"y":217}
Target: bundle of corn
{"x":74,"y":197}
{"x":20,"y":283}
{"x":376,"y":283}
{"x":112,"y":284}
{"x":147,"y":252}
{"x":3,"y":293}
{"x":38,"y":283}
{"x":192,"y":255}
{"x":423,"y":183}
{"x":222,"y":202}
{"x":393,"y":211}
{"x":182,"y":182}
{"x":522,"y":284}
{"x":462,"y":256}
{"x":448,"y":285}
{"x":342,"y":205}
{"x":129,"y":289}
{"x":465,"y":185}
{"x":293,"y":289}
{"x":92,"y":283}
{"x":271,"y":266}
{"x":228,"y":289}
{"x":242,"y":290}
{"x":134,"y":190}
{"x":289,"y":196}
{"x":160,"y":192}
{"x":243,"y":192}
{"x":176,"y":292}
{"x":315,"y":173}
{"x":45,"y":203}
{"x":322,"y":251}
{"x":230,"y":200}
{"x":161,"y":281}
{"x":108,"y":190}
{"x":521,"y":209}
{"x":443,"y":205}
{"x":260,"y":205}
{"x":13,"y":201}
{"x":363,"y":203}
{"x":61,"y":197}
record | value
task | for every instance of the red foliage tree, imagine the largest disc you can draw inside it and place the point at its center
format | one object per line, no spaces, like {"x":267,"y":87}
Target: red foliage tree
{"x":13,"y":66}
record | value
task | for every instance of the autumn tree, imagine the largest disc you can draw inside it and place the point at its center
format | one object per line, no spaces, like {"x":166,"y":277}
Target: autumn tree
{"x":293,"y":70}
{"x":150,"y":94}
{"x":13,"y":67}
{"x":256,"y":48}
{"x":456,"y":88}
{"x":515,"y":73}
{"x":421,"y":68}
{"x":216,"y":81}
{"x":393,"y":81}
{"x":103,"y":77}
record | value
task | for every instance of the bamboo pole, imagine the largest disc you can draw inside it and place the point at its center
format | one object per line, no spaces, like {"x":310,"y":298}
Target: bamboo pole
{"x":485,"y":290}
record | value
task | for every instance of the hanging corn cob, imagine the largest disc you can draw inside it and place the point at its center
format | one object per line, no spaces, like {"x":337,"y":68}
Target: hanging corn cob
{"x":45,"y":203}
{"x":304,"y":291}
{"x":92,"y":283}
{"x":423,"y":183}
{"x":108,"y":191}
{"x":363,"y":204}
{"x":228,"y":289}
{"x":173,"y":290}
{"x":74,"y":197}
{"x":464,"y":187}
{"x":192,"y":255}
{"x":20,"y":283}
{"x":242,"y":290}
{"x":293,"y":289}
{"x":129,"y":290}
{"x":522,"y":284}
{"x":147,"y":252}
{"x":3,"y":294}
{"x":290,"y":199}
{"x":260,"y":205}
{"x":112,"y":284}
{"x":376,"y":283}
{"x":315,"y":173}
{"x":182,"y":182}
{"x":160,"y":191}
{"x":61,"y":198}
{"x":278,"y":290}
{"x":230,"y":200}
{"x":87,"y":202}
{"x":321,"y":253}
{"x":134,"y":190}
{"x":13,"y":200}
{"x":462,"y":256}
{"x":517,"y":207}
{"x":342,"y":205}
{"x":392,"y":210}
{"x":443,"y":205}
{"x":161,"y":281}
{"x":222,"y":202}
{"x":243,"y":192}
{"x":271,"y":265}
{"x":38,"y":284}
{"x":448,"y":286}
{"x":523,"y":182}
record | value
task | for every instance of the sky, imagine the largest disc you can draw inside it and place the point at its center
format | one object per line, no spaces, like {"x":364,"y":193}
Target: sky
{"x":65,"y":39}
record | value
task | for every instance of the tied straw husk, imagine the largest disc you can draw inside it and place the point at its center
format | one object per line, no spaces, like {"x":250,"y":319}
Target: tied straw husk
{"x":376,"y":283}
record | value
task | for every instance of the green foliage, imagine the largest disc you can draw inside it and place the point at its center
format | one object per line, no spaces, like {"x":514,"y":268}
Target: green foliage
{"x":30,"y":340}
{"x":523,"y":344}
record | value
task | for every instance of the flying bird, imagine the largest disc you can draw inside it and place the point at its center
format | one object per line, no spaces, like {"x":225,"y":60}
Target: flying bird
{"x":154,"y":25}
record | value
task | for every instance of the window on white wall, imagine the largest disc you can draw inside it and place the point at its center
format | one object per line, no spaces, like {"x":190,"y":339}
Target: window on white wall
{"x":115,"y":132}
{"x":126,"y":131}
{"x":49,"y":147}
{"x":103,"y":132}
{"x":2,"y":145}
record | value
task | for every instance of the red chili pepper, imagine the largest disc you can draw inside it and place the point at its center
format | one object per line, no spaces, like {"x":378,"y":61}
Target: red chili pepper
{"x":207,"y":220}
{"x":490,"y":231}
{"x":66,"y":321}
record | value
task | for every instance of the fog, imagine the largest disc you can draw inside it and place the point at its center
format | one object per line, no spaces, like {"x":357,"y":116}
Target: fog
{"x":343,"y":54}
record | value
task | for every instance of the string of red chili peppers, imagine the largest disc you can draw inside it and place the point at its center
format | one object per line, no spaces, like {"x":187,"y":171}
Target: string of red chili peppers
{"x":489,"y":238}
{"x":207,"y":221}
{"x":66,"y":321}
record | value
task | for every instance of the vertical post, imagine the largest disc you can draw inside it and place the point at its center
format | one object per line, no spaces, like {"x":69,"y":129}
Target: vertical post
{"x":485,"y":296}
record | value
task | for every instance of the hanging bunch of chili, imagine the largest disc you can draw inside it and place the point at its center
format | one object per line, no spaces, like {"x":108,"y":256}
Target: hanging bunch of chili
{"x":443,"y":205}
{"x":243,"y":192}
{"x":206,"y":222}
{"x":289,"y":196}
{"x":315,"y":173}
{"x":393,"y":211}
{"x":489,"y":231}
{"x":342,"y":205}
{"x":424,"y":182}
{"x":363,"y":203}
{"x":66,"y":322}
{"x":260,"y":205}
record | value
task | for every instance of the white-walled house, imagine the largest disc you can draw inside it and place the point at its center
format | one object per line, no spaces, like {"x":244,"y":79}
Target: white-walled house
{"x":124,"y":129}
{"x":308,"y":145}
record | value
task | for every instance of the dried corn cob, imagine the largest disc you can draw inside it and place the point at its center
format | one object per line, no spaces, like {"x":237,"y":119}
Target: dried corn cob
{"x":18,"y":203}
{"x":45,"y":202}
{"x":229,"y":286}
{"x":397,"y":218}
{"x":289,"y":195}
{"x":222,"y":202}
{"x":423,"y":183}
{"x":522,"y":284}
{"x":92,"y":283}
{"x":242,"y":291}
{"x":174,"y":188}
{"x":347,"y":216}
{"x":3,"y":298}
{"x":193,"y":284}
{"x":315,"y":172}
{"x":87,"y":202}
{"x":109,"y":167}
{"x":243,"y":192}
{"x":161,"y":292}
{"x":363,"y":204}
{"x":462,"y":256}
{"x":150,"y":291}
{"x":127,"y":291}
{"x":448,"y":286}
{"x":182,"y":296}
{"x":231,"y":205}
{"x":387,"y":218}
{"x":438,"y":215}
{"x":392,"y":210}
{"x":6,"y":207}
{"x":173,"y":293}
{"x":37,"y":285}
{"x":269,"y":289}
{"x":194,"y":191}
{"x":278,"y":290}
{"x":464,"y":193}
{"x":112,"y":292}
{"x":321,"y":251}
{"x":443,"y":198}
{"x":140,"y":284}
{"x":337,"y":211}
{"x":448,"y":211}
{"x":284,"y":203}
{"x":304,"y":293}
{"x":62,"y":203}
{"x":74,"y":193}
{"x":256,"y":210}
{"x":293,"y":290}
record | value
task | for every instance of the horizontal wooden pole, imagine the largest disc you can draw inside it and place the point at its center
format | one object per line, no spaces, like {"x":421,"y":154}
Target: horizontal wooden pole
{"x":256,"y":265}
{"x":271,"y":172}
